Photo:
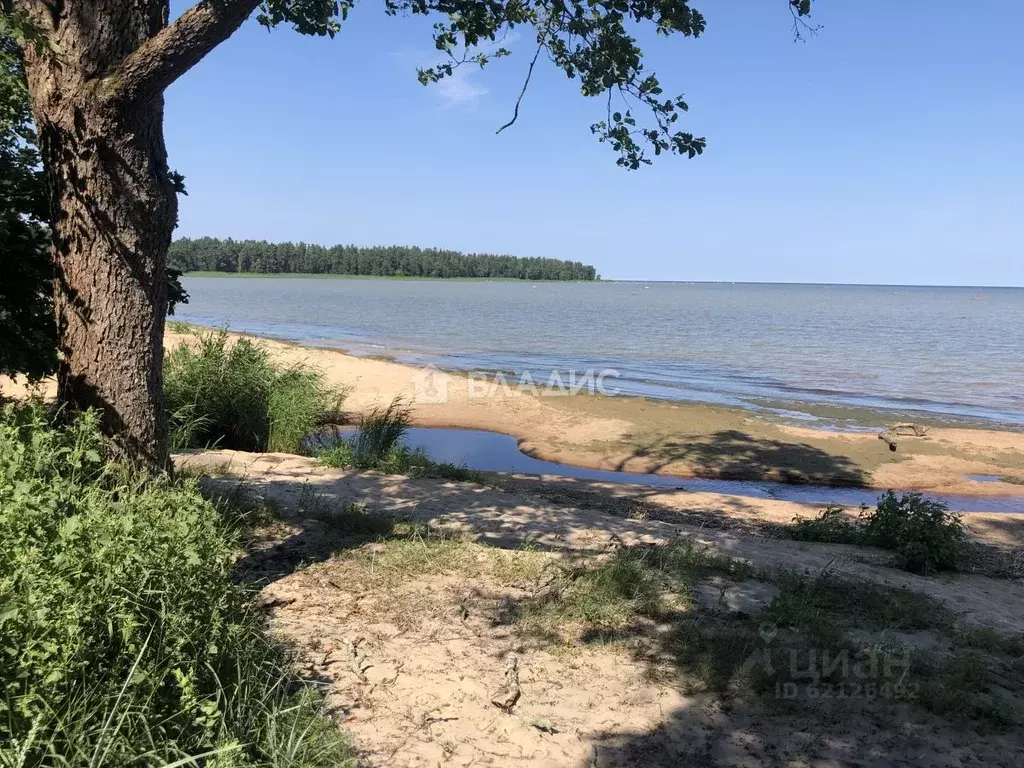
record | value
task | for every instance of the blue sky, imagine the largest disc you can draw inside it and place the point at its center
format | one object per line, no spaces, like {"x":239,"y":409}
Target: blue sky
{"x":887,"y":149}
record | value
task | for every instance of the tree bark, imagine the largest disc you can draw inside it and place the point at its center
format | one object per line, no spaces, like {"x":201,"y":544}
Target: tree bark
{"x":113,"y":207}
{"x":97,"y":99}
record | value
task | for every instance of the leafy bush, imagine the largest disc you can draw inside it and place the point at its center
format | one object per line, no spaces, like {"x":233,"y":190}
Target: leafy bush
{"x":233,"y":395}
{"x":923,"y":532}
{"x":123,"y":639}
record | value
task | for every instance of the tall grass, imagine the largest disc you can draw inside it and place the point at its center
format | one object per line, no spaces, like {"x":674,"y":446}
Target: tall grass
{"x":123,"y":639}
{"x":381,"y":432}
{"x":233,"y":395}
{"x":377,"y":444}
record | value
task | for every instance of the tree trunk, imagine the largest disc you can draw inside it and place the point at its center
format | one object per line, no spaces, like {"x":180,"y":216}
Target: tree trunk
{"x":113,"y":207}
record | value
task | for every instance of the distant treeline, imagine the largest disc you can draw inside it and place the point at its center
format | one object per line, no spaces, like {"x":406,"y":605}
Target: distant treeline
{"x":210,"y":254}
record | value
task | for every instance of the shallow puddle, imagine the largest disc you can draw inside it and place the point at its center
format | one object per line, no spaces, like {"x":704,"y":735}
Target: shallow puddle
{"x":985,"y":478}
{"x":495,"y":452}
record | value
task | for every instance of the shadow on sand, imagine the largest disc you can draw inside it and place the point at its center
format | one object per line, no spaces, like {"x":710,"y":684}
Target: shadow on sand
{"x":715,"y":727}
{"x":734,"y":455}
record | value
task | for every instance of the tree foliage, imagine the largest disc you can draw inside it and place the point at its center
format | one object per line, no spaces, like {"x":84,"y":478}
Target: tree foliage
{"x":27,"y":330}
{"x":590,"y":41}
{"x":209,"y":254}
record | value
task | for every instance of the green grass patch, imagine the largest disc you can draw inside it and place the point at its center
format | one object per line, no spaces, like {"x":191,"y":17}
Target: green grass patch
{"x":231,"y":394}
{"x":349,"y":519}
{"x":124,"y":639}
{"x":648,"y":582}
{"x":819,"y":637}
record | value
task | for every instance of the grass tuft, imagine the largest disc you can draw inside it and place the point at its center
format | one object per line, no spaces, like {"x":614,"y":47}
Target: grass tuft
{"x":380,"y":433}
{"x":178,"y":326}
{"x":377,"y":445}
{"x":231,"y":394}
{"x":351,"y":519}
{"x":632,"y":581}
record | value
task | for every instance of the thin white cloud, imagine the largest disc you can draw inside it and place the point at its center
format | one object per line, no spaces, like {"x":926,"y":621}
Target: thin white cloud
{"x":461,"y":88}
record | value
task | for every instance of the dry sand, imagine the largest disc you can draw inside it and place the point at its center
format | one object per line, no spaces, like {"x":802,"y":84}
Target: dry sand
{"x":513,"y":516}
{"x":411,"y":666}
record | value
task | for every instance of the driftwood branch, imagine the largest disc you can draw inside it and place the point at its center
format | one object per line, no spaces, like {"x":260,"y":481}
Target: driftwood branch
{"x":890,"y":433}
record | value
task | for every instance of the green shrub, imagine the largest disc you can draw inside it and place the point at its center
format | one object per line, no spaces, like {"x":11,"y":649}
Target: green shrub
{"x":233,"y":395}
{"x":833,"y":525}
{"x":123,"y":639}
{"x":923,"y":532}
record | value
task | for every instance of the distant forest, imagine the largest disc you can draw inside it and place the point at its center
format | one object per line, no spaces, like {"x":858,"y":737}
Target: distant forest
{"x":209,"y":254}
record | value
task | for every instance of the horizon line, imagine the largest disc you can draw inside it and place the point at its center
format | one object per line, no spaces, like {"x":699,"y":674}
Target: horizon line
{"x":810,"y":282}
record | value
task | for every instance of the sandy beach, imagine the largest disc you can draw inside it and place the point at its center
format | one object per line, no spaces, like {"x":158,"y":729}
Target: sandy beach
{"x":672,"y":438}
{"x":427,"y":641}
{"x":681,"y":439}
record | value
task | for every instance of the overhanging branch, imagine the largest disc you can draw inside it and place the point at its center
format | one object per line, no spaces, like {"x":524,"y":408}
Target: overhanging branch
{"x":169,"y":54}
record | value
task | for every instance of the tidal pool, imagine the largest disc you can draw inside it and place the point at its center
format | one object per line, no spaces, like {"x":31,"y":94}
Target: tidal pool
{"x":496,"y":452}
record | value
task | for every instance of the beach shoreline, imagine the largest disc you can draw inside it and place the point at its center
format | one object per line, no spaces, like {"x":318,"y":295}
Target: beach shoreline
{"x":647,"y":436}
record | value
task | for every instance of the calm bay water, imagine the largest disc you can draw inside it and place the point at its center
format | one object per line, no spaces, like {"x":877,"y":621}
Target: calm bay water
{"x":943,"y":352}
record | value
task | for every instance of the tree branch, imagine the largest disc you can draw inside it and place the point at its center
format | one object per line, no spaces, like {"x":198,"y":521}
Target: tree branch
{"x":541,"y":39}
{"x":169,"y":54}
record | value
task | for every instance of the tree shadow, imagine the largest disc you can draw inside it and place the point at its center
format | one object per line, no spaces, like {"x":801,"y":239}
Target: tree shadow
{"x":819,"y":676}
{"x":701,"y":654}
{"x":313,"y":522}
{"x":735,"y":455}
